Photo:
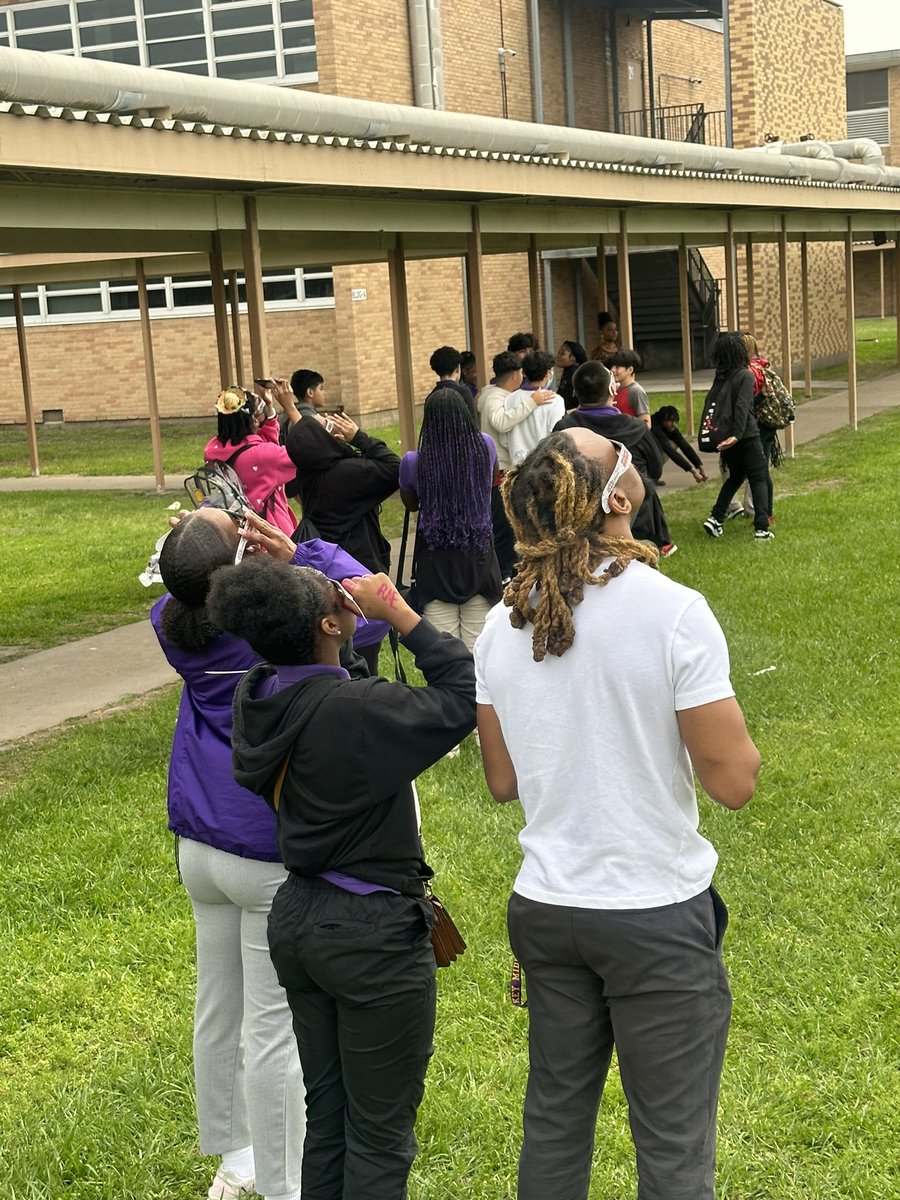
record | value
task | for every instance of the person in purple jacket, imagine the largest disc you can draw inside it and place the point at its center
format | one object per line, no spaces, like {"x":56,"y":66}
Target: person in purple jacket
{"x":250,"y":1103}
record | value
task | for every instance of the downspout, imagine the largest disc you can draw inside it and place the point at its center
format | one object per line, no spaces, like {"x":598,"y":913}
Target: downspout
{"x":568,"y":72}
{"x":426,"y":53}
{"x":614,"y":66}
{"x":651,"y":73}
{"x":726,"y":53}
{"x":537,"y":82}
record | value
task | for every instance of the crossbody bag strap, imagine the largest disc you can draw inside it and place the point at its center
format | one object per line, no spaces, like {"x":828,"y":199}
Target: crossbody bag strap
{"x":279,"y":782}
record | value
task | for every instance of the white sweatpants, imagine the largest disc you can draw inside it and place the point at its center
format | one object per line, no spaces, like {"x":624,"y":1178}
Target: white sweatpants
{"x":246,"y":1066}
{"x":464,"y":621}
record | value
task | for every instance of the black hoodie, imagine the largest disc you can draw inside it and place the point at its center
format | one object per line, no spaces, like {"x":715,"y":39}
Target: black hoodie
{"x":355,"y":747}
{"x":341,"y":488}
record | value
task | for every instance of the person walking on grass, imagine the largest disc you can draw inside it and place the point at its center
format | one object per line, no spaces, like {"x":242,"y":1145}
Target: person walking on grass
{"x":740,"y":444}
{"x":613,"y":915}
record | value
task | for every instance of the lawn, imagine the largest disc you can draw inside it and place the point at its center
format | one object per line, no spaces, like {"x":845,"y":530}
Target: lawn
{"x":96,"y":995}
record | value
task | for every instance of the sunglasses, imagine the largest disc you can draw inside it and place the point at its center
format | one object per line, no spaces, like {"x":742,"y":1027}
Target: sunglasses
{"x":623,"y":462}
{"x":344,"y":597}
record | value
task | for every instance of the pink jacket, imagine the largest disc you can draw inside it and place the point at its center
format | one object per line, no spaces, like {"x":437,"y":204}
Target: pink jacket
{"x":264,"y":469}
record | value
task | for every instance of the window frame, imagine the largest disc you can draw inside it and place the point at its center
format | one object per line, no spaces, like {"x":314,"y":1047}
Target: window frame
{"x":207,"y":8}
{"x":167,"y":286}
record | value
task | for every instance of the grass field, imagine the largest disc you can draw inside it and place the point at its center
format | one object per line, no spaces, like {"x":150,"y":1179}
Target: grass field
{"x":96,"y":995}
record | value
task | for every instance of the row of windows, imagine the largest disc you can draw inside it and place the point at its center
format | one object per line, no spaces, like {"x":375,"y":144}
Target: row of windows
{"x":231,"y":39}
{"x":62,"y":303}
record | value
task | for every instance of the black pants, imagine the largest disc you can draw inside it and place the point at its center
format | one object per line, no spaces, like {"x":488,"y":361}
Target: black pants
{"x":745,"y":460}
{"x":650,"y":523}
{"x":651,"y":983}
{"x":359,"y":974}
{"x":504,"y":541}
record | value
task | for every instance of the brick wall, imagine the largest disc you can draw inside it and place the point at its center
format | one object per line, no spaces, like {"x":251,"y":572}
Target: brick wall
{"x":892,"y":152}
{"x":682,"y":51}
{"x":363,"y":50}
{"x":868,"y":281}
{"x":96,"y":371}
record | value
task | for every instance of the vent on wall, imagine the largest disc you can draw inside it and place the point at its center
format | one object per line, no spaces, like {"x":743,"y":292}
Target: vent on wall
{"x":874,"y":123}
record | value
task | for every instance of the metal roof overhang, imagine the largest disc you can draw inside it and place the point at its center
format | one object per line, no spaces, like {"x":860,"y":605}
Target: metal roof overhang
{"x":82,"y":198}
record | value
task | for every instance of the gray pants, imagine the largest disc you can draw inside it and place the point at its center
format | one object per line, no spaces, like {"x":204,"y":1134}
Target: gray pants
{"x":651,"y":983}
{"x":246,"y":1067}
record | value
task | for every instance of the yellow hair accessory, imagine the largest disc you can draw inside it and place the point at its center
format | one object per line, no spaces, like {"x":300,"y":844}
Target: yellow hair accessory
{"x":231,"y":400}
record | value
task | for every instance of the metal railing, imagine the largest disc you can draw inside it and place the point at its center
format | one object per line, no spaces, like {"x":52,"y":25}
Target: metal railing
{"x":676,"y":123}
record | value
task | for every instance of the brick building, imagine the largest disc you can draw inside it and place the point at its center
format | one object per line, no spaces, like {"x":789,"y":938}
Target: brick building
{"x":597,"y":64}
{"x":873,"y":111}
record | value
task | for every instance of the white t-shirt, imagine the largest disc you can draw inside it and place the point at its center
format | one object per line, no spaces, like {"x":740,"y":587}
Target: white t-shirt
{"x":604,"y":777}
{"x":523,"y":438}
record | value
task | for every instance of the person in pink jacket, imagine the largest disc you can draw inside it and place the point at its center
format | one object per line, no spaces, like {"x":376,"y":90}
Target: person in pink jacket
{"x":248,"y":441}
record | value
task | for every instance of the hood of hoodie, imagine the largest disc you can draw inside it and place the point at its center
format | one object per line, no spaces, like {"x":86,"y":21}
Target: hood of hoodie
{"x":312,"y":448}
{"x":217,"y":451}
{"x":265,"y":730}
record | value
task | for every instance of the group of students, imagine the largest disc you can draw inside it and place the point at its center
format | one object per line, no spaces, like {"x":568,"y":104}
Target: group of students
{"x":292,"y":777}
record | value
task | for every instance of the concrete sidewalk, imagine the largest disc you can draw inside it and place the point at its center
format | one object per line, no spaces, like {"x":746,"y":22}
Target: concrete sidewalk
{"x":85,"y":678}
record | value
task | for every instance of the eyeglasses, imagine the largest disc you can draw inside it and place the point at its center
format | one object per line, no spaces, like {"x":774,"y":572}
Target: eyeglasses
{"x":623,"y":462}
{"x":347,"y":600}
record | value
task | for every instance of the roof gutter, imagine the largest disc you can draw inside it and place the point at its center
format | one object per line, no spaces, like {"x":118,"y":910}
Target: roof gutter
{"x":31,"y":77}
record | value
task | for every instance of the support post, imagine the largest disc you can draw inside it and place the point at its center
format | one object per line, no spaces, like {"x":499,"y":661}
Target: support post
{"x":235,"y":306}
{"x":220,"y":308}
{"x":602,"y":292}
{"x":851,"y":325}
{"x":751,"y":299}
{"x":625,"y":327}
{"x":256,"y":315}
{"x":881,"y":279}
{"x":686,"y":346}
{"x":150,"y":373}
{"x":579,"y":299}
{"x":475,"y":266}
{"x":785,"y":326}
{"x":731,"y":306}
{"x":25,"y":372}
{"x":403,"y":364}
{"x":547,"y":273}
{"x":897,"y":290}
{"x":804,"y":294}
{"x":568,"y":69}
{"x":534,"y":290}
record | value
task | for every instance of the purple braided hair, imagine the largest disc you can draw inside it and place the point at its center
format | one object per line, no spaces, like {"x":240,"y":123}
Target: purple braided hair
{"x":454,"y":475}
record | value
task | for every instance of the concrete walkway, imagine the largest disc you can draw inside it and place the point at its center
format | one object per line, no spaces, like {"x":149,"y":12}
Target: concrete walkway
{"x":86,"y":678}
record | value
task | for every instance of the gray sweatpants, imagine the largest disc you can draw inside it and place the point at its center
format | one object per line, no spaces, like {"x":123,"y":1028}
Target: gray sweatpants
{"x":650,"y":982}
{"x":246,"y":1066}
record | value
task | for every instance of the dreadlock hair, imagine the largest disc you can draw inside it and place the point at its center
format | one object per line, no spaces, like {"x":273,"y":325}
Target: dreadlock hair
{"x":729,"y":353}
{"x":552,"y":499}
{"x":189,"y":555}
{"x":454,"y":473}
{"x":273,"y":606}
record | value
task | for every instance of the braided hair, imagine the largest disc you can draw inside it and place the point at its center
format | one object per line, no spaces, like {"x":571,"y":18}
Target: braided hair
{"x":189,"y":555}
{"x":552,"y":500}
{"x":454,"y":476}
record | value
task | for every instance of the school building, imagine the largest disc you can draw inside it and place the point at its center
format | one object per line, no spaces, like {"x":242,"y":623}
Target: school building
{"x":474,"y":228}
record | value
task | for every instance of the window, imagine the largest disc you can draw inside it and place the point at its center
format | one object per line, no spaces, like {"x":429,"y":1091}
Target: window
{"x":868,"y":114}
{"x":264,"y":40}
{"x":867,"y":89}
{"x":186,"y":295}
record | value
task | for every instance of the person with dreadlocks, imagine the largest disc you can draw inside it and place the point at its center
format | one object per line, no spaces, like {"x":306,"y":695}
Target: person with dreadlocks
{"x":593,"y":720}
{"x":448,"y":481}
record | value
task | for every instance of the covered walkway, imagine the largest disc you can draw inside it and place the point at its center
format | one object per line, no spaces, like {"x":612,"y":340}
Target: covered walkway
{"x":100,"y":180}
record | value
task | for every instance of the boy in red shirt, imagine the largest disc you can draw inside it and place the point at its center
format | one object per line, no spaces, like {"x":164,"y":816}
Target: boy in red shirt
{"x":630,"y":399}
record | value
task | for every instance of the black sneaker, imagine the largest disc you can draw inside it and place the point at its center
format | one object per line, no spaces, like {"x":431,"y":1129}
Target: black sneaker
{"x":764,"y":535}
{"x":713,"y":527}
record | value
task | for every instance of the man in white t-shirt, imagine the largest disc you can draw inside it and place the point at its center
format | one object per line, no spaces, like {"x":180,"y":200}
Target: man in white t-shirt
{"x":522,"y":438}
{"x":593,"y":719}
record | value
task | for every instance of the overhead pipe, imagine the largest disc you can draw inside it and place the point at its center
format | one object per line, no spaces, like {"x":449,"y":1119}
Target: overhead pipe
{"x":30,"y":77}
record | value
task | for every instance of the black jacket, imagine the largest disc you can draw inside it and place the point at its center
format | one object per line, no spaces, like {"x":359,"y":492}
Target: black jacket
{"x":630,"y":431}
{"x":355,"y":748}
{"x":735,"y":409}
{"x":341,"y":488}
{"x":673,"y":443}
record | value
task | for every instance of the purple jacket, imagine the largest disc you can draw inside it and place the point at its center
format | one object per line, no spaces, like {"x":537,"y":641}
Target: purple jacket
{"x":205,"y":803}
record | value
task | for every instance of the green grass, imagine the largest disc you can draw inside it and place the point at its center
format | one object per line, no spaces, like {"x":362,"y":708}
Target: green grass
{"x":876,"y":351}
{"x":106,"y":447}
{"x":96,"y":995}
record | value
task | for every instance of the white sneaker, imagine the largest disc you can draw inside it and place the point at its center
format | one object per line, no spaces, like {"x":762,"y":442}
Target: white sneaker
{"x":228,"y":1186}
